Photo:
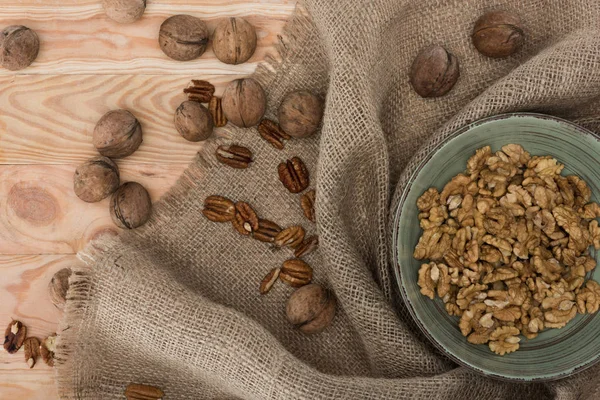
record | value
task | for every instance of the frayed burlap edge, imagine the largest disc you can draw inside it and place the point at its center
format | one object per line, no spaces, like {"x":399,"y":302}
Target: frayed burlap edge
{"x":81,"y":282}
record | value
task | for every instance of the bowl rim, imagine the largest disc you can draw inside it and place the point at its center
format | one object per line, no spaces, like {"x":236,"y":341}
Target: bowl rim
{"x":396,"y":264}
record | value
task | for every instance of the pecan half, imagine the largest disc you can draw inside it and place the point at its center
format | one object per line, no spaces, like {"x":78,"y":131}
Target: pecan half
{"x":47,"y":349}
{"x":307,"y":247}
{"x":296,"y":273}
{"x":245,"y":220}
{"x":14,"y":336}
{"x":200,"y":91}
{"x":267,"y":231}
{"x":269,"y":280}
{"x":216,"y":110}
{"x":307,"y":202}
{"x":135,"y":391}
{"x":218,"y":209}
{"x":32,"y":350}
{"x":294,"y":175}
{"x":272,"y":133}
{"x":292,"y":237}
{"x":235,"y":156}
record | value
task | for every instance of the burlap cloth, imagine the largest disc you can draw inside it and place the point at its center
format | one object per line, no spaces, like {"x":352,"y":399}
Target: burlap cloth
{"x":176,"y":302}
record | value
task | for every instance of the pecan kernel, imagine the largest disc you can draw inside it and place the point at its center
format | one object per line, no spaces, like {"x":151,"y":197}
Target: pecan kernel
{"x":235,"y":156}
{"x":200,"y":91}
{"x":218,"y":209}
{"x":293,"y":174}
{"x":272,"y":133}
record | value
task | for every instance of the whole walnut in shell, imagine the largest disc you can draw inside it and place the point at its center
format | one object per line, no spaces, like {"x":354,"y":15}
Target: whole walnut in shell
{"x":19,"y":47}
{"x":234,"y":41}
{"x":300,"y":114}
{"x":96,"y":179}
{"x":244,"y":102}
{"x":130,"y":206}
{"x":434,"y":72}
{"x":58,"y":287}
{"x":183,"y":37}
{"x":193,"y":121}
{"x":124,"y":11}
{"x":311,"y":308}
{"x":498,"y":34}
{"x":117,"y":134}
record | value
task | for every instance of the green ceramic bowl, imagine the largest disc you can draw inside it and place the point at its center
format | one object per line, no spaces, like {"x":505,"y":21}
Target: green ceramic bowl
{"x":555,"y":353}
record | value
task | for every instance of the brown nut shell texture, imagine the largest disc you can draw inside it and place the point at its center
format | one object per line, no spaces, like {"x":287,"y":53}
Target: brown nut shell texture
{"x":183,"y":37}
{"x":311,"y":308}
{"x":244,"y":102}
{"x":434,"y":72}
{"x":300,"y":114}
{"x":14,"y":336}
{"x":130,"y":206}
{"x":193,"y":121}
{"x":498,"y":34}
{"x":117,"y":134}
{"x":234,"y":41}
{"x":96,"y":179}
{"x":19,"y":47}
{"x":58,"y":287}
{"x":124,"y":11}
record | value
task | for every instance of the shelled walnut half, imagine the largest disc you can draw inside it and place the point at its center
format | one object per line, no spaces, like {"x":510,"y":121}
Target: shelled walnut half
{"x":506,"y":246}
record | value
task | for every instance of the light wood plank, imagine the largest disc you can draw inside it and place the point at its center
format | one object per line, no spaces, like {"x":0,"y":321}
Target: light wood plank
{"x":40,"y":214}
{"x":23,"y":296}
{"x":79,"y":39}
{"x":50,"y":119}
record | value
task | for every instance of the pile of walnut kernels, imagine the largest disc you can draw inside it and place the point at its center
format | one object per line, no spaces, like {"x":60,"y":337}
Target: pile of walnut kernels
{"x":508,"y":242}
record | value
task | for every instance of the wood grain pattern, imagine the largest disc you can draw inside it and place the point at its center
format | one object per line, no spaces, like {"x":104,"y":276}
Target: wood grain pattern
{"x":40,"y":213}
{"x":88,"y":65}
{"x":79,"y":38}
{"x":24,"y":296}
{"x":50,"y":119}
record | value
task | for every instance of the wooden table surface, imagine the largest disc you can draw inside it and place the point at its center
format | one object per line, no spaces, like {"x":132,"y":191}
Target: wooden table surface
{"x":88,"y":65}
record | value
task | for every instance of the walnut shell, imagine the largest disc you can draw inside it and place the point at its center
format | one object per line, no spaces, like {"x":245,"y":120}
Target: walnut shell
{"x":234,"y":41}
{"x":244,"y":102}
{"x":300,"y":114}
{"x":183,"y":37}
{"x":124,"y":11}
{"x":117,"y":134}
{"x":58,"y":287}
{"x":311,"y":308}
{"x":193,"y":121}
{"x":498,"y":34}
{"x":130,"y":206}
{"x":19,"y":47}
{"x":434,"y":72}
{"x":96,"y":179}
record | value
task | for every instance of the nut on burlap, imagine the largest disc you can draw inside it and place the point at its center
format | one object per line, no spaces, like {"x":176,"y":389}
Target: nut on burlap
{"x":179,"y":295}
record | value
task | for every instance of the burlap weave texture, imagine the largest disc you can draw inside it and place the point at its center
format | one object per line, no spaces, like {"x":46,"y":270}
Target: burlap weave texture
{"x":176,"y":303}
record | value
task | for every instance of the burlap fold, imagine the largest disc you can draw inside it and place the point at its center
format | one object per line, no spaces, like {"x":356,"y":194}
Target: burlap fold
{"x":176,"y":304}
